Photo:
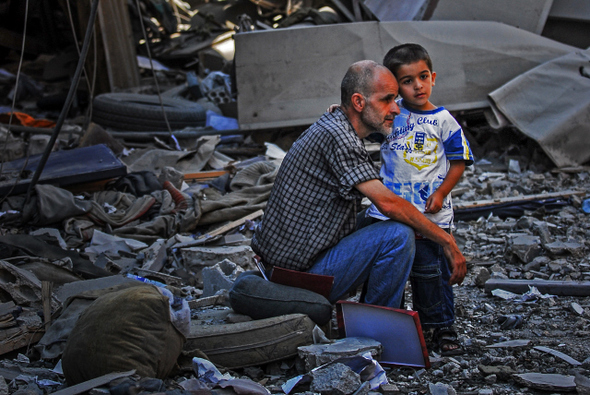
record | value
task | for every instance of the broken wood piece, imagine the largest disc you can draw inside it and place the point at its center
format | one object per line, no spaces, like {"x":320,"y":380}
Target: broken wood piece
{"x":232,"y":225}
{"x":206,"y":302}
{"x":558,"y":354}
{"x":205,"y":175}
{"x":559,"y":288}
{"x":93,"y":383}
{"x":14,"y":338}
{"x":46,"y":296}
{"x":318,"y":283}
{"x":514,"y":199}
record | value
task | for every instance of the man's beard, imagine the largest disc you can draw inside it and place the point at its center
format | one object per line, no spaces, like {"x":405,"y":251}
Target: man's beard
{"x":375,"y":125}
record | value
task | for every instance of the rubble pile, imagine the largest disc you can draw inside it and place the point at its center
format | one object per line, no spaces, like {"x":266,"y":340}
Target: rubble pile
{"x":517,"y":338}
{"x":131,"y":199}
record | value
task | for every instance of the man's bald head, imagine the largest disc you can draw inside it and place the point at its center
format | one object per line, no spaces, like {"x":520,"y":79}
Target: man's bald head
{"x":359,"y":78}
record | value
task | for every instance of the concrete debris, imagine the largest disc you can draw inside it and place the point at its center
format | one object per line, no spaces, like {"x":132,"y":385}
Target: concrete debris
{"x":318,"y":354}
{"x":547,"y":382}
{"x":336,"y":379}
{"x":219,"y":277}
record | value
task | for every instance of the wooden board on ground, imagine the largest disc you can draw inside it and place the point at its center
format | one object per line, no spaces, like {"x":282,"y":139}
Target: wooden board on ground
{"x":515,"y":199}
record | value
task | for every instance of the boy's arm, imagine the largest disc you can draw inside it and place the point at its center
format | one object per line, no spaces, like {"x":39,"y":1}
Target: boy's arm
{"x":435,"y":200}
{"x":403,"y":211}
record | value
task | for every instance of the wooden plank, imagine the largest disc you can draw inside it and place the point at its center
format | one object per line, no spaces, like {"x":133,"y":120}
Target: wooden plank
{"x":515,"y":199}
{"x":318,"y":283}
{"x":232,"y":225}
{"x":559,"y":288}
{"x":19,"y":338}
{"x":93,"y":383}
{"x":205,"y":175}
{"x":66,"y":167}
{"x":46,"y":297}
{"x":119,"y":45}
{"x":115,"y":59}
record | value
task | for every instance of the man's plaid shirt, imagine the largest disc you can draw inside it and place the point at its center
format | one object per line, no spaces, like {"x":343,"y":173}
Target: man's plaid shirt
{"x":314,"y":203}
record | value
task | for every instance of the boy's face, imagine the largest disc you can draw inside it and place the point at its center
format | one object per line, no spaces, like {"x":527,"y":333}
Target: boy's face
{"x":415,"y":85}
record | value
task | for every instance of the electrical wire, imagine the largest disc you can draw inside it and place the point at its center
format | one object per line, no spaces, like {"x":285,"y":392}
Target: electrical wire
{"x":16,"y":86}
{"x":149,"y":53}
{"x":69,"y":99}
{"x":90,"y":86}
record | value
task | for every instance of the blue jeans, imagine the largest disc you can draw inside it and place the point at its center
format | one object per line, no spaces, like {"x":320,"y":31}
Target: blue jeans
{"x":380,"y":254}
{"x":432,"y":295}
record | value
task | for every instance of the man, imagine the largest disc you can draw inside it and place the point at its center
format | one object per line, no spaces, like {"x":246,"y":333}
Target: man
{"x":309,"y":221}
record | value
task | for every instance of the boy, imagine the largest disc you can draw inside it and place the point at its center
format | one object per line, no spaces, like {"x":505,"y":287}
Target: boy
{"x":422,"y":160}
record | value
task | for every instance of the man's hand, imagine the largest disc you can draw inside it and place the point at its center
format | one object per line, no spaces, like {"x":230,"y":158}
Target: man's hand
{"x":400,"y":210}
{"x":457,"y":262}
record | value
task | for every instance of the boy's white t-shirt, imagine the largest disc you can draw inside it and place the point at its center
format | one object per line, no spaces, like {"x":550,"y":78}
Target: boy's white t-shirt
{"x":415,"y":158}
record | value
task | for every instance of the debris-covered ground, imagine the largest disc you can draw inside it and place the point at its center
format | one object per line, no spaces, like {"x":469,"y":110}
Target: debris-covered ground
{"x":134,"y":196}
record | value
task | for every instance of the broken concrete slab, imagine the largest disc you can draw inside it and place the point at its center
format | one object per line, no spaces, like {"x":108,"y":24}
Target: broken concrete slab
{"x":546,"y":382}
{"x":502,"y":372}
{"x":557,"y":248}
{"x":22,"y":286}
{"x":511,"y":344}
{"x":280,"y":84}
{"x":525,"y":247}
{"x":560,"y":132}
{"x":530,"y":15}
{"x":199,"y":257}
{"x":319,"y":354}
{"x":558,"y":354}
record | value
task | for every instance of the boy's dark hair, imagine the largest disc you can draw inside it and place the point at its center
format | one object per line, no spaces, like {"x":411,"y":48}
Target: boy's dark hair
{"x":405,"y":54}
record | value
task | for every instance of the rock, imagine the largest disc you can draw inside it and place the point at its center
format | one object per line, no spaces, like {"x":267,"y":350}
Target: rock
{"x":501,"y":372}
{"x":3,"y":386}
{"x":576,"y":308}
{"x":537,"y":263}
{"x":218,"y":277}
{"x":335,"y":379}
{"x":526,"y":247}
{"x":482,"y":276}
{"x":541,"y":229}
{"x":546,"y":382}
{"x":558,"y":248}
{"x":441,"y":389}
{"x":582,"y":384}
{"x":389,"y":389}
{"x":525,"y":222}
